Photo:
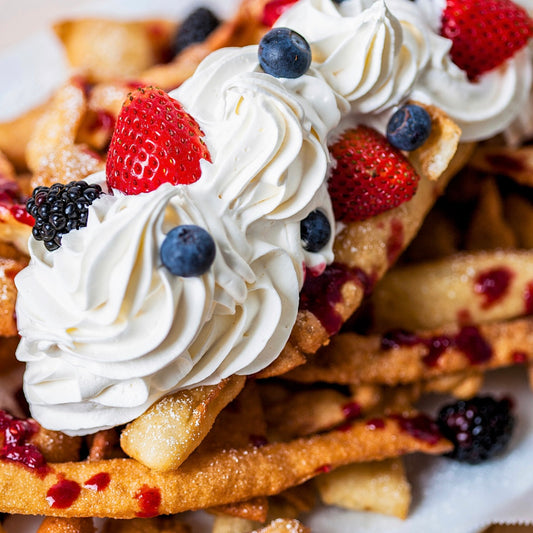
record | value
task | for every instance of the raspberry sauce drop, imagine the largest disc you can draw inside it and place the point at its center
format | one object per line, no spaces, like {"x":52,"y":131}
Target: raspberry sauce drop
{"x":16,"y":447}
{"x":63,"y":494}
{"x":149,"y":499}
{"x":396,"y":240}
{"x":420,"y":427}
{"x":492,"y":285}
{"x":528,"y":298}
{"x":320,"y":294}
{"x":375,"y":423}
{"x":98,"y":482}
{"x":468,"y":340}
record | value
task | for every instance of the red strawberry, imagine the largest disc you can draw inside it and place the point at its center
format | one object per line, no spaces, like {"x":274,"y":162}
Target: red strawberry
{"x":370,"y":176}
{"x":274,"y":9}
{"x":155,"y":141}
{"x":484,"y":33}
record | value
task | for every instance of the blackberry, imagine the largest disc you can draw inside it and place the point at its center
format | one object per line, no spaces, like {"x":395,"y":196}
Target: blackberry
{"x":195,"y":29}
{"x":479,"y":428}
{"x":59,"y":209}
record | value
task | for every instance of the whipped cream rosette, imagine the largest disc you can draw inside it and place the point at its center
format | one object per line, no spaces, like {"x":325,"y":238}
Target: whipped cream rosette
{"x":107,"y":329}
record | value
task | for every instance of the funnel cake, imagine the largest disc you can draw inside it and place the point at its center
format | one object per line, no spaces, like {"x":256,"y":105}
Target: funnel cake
{"x":208,"y":444}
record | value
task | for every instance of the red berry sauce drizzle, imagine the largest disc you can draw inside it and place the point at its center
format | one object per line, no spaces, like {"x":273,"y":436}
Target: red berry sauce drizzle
{"x":396,"y":240}
{"x":528,"y":298}
{"x":16,"y":447}
{"x":375,"y":423}
{"x":63,"y":494}
{"x":420,"y":427}
{"x":320,"y":294}
{"x":98,"y":482}
{"x":493,"y":285}
{"x":12,"y":200}
{"x":149,"y":499}
{"x":468,"y":340}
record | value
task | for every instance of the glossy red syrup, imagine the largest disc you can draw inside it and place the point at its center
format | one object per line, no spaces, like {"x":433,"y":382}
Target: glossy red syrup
{"x":102,"y":120}
{"x":375,"y":423}
{"x":12,"y":200}
{"x":420,"y":427}
{"x":351,"y":410}
{"x":274,"y":9}
{"x":528,"y":298}
{"x":98,"y":482}
{"x":63,"y":494}
{"x":320,"y":294}
{"x":16,"y":448}
{"x":468,"y":340}
{"x":493,"y":285}
{"x":395,"y":241}
{"x":519,"y":357}
{"x":324,"y":469}
{"x":149,"y":499}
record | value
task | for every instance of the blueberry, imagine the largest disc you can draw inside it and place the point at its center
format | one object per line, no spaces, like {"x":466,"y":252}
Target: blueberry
{"x":195,"y":29}
{"x":283,"y":53}
{"x":188,"y":251}
{"x":315,"y":231}
{"x":409,"y":127}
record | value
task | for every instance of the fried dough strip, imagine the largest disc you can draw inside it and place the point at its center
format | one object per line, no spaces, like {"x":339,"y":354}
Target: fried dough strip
{"x":355,"y":359}
{"x":516,"y":163}
{"x":283,"y":525}
{"x":66,"y":525}
{"x":172,"y":428}
{"x":206,"y":480}
{"x":461,"y":285}
{"x":369,"y":247}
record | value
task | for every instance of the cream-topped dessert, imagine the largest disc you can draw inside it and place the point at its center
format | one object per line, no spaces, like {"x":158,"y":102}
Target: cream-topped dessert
{"x":107,"y":329}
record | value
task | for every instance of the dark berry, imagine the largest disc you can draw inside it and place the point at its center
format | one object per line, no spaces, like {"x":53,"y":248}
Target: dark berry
{"x":315,"y":231}
{"x":409,"y":127}
{"x":479,"y":428}
{"x":195,"y":29}
{"x":188,"y":251}
{"x":283,"y":53}
{"x":59,"y":209}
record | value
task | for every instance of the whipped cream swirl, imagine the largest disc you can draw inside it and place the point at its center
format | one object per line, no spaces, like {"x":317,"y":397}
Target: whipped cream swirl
{"x":107,"y":330}
{"x":378,"y":54}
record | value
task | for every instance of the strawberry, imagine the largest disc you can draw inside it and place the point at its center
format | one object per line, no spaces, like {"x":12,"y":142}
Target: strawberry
{"x":370,"y":176}
{"x":484,"y":33}
{"x":155,"y":141}
{"x":274,"y":9}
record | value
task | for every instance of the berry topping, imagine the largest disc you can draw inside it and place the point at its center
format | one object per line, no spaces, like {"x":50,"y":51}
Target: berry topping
{"x":195,"y":29}
{"x":409,"y":127}
{"x":315,"y":231}
{"x":188,"y":251}
{"x":155,"y":141}
{"x":283,"y":53}
{"x":371,"y":176}
{"x":484,"y":33}
{"x":274,"y":9}
{"x":59,"y":209}
{"x":479,"y":428}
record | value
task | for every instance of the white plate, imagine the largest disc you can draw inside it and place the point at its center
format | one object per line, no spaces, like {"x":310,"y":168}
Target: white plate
{"x":448,"y":497}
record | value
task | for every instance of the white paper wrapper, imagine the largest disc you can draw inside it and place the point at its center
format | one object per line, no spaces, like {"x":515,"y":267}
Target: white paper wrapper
{"x":448,"y":497}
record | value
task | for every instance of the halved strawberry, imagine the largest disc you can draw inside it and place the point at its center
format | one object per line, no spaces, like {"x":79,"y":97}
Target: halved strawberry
{"x":484,"y":33}
{"x":370,"y":175}
{"x":274,"y":9}
{"x":155,"y":141}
